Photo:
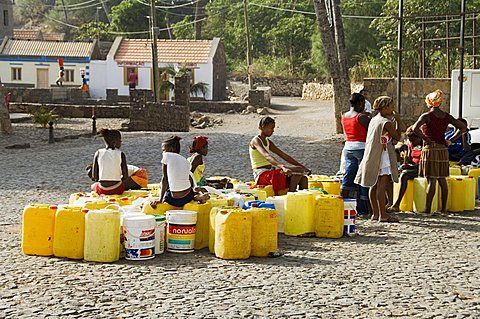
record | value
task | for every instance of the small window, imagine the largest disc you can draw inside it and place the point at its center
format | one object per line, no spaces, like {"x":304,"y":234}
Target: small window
{"x":69,"y":75}
{"x":5,"y":17}
{"x":16,"y":74}
{"x":126,"y":74}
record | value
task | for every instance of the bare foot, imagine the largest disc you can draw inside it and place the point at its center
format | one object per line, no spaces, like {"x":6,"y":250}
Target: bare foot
{"x":374,"y":217}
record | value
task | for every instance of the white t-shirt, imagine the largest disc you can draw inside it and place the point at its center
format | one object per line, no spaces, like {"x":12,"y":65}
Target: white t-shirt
{"x":178,"y":171}
{"x":109,"y":164}
{"x":368,"y":106}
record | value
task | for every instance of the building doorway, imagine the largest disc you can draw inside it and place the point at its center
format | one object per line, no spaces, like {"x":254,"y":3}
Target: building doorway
{"x":42,"y":79}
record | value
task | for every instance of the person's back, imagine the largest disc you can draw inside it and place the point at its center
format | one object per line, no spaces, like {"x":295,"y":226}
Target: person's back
{"x":436,"y":126}
{"x":178,"y":171}
{"x":109,"y":165}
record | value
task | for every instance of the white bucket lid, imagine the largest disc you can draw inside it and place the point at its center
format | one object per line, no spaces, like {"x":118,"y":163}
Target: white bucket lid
{"x":139,"y":221}
{"x":181,"y":216}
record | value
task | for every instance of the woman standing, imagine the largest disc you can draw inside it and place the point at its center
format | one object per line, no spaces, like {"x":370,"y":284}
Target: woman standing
{"x":431,"y":127}
{"x":355,"y":126}
{"x":379,"y":163}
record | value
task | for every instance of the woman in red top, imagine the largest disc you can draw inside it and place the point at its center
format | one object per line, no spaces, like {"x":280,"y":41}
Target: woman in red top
{"x":431,"y":127}
{"x":409,"y":167}
{"x":355,"y":125}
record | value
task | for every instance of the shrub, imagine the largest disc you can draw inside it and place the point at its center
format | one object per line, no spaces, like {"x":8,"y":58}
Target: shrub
{"x":42,"y":116}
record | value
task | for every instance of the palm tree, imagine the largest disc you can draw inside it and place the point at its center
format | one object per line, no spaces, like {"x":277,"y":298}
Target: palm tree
{"x":170,"y":72}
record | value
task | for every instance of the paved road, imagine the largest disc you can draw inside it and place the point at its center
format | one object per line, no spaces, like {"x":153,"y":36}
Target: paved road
{"x":419,"y":268}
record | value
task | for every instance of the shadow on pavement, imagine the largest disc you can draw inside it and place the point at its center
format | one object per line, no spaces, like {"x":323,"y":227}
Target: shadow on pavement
{"x":283,"y":107}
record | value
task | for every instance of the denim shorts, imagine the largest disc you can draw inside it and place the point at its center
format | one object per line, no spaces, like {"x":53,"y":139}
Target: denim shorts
{"x":179,"y":202}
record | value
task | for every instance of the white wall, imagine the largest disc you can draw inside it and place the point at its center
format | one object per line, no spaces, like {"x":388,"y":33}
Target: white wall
{"x":108,"y":74}
{"x":29,"y":72}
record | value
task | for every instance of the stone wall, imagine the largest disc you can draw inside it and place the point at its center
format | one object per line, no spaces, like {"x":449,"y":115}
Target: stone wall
{"x":218,"y":106}
{"x":69,"y":95}
{"x":414,"y":91}
{"x":149,"y":116}
{"x":279,"y":86}
{"x":74,"y":111}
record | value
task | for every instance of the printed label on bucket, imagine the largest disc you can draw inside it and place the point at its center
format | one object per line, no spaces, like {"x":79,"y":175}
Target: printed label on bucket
{"x":144,"y":253}
{"x":181,"y":229}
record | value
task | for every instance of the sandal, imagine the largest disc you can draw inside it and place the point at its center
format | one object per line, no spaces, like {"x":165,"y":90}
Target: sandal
{"x":389,"y":219}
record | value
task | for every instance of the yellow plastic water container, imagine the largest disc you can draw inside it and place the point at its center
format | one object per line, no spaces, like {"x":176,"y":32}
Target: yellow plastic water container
{"x":456,"y":191}
{"x":332,"y":186}
{"x":329,"y":216}
{"x":76,"y":196}
{"x":299,"y":213}
{"x":420,"y":185}
{"x":406,"y":205}
{"x":136,"y":193}
{"x":69,"y":233}
{"x":217,"y":201}
{"x":314,"y":184}
{"x":211,"y":228}
{"x":269,"y":192}
{"x":155,"y":186}
{"x":469,"y":195}
{"x":264,"y":231}
{"x":161,"y":208}
{"x":455,"y":171}
{"x":38,"y":224}
{"x":233,"y":234}
{"x":97,"y":203}
{"x":102,"y":235}
{"x":475,"y":173}
{"x":203,"y":221}
{"x":279,"y":202}
{"x":254,"y":193}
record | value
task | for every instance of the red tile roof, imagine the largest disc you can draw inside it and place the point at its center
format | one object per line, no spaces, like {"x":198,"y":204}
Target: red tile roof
{"x":169,"y":51}
{"x":24,"y":34}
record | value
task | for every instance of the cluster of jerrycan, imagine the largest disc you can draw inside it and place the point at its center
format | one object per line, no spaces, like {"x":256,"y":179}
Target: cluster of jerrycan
{"x":71,"y":232}
{"x":462,"y":191}
{"x":235,"y":233}
{"x":331,"y":185}
{"x":309,"y":212}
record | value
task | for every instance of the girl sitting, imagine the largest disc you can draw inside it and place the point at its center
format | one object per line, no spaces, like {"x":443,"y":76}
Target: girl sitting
{"x":199,"y":149}
{"x":177,"y":187}
{"x":109,"y":165}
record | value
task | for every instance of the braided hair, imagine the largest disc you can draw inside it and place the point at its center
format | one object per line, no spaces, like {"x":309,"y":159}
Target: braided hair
{"x":267,"y":120}
{"x":112,"y":137}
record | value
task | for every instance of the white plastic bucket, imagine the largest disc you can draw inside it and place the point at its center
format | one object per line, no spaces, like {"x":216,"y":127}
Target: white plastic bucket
{"x":349,"y":216}
{"x":279,"y":202}
{"x":139,"y":232}
{"x":181,"y":229}
{"x":159,"y":234}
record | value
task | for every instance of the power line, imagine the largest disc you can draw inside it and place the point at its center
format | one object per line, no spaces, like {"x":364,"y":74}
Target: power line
{"x":163,"y":29}
{"x":172,"y":6}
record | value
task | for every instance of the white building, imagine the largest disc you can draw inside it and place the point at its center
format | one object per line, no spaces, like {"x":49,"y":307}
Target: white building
{"x":205,"y":59}
{"x":25,"y":63}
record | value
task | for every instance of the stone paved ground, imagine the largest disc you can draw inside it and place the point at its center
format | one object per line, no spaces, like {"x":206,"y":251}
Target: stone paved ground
{"x":420,"y":268}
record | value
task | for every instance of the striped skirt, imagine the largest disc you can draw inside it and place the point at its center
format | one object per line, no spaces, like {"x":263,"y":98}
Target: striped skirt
{"x":434,"y":161}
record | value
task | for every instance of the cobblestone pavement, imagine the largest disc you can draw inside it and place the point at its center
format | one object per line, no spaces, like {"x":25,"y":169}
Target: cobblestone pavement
{"x":422,"y":267}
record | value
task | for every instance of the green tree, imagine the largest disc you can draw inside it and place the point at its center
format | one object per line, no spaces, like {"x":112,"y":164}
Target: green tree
{"x":94,"y":30}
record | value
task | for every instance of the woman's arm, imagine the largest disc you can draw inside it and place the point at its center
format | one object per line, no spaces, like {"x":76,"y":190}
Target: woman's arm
{"x":258,"y":145}
{"x":460,"y":126}
{"x":164,"y":185}
{"x":285,"y":156}
{"x":95,"y":167}
{"x":197,"y":160}
{"x":124,"y":167}
{"x":364,"y":120}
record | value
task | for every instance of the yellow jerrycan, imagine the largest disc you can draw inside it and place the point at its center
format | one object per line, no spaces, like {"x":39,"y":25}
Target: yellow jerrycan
{"x":97,"y":203}
{"x":211,"y":228}
{"x":299,"y":213}
{"x":217,"y":201}
{"x":160,"y":209}
{"x":406,"y":205}
{"x":136,"y":193}
{"x":102,"y":235}
{"x":264,"y":231}
{"x":420,"y":185}
{"x":233,"y":234}
{"x":269,"y":192}
{"x":38,"y":224}
{"x":203,"y":221}
{"x":69,"y":232}
{"x":456,"y":193}
{"x":455,"y":171}
{"x":475,"y":173}
{"x":329,"y":219}
{"x":331,"y":186}
{"x":469,"y":193}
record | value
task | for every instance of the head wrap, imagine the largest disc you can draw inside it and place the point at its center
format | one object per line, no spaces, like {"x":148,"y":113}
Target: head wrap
{"x":381,"y":102}
{"x":200,"y":141}
{"x":434,"y":99}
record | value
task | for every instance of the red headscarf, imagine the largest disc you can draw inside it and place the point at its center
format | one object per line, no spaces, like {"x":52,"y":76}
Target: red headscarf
{"x":200,"y":141}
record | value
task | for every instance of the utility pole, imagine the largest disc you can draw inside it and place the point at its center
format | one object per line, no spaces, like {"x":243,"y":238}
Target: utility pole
{"x":67,"y":31}
{"x":249,"y":53}
{"x":105,"y":9}
{"x":462,"y":53}
{"x":399,"y":57}
{"x":156,"y":75}
{"x":98,"y":31}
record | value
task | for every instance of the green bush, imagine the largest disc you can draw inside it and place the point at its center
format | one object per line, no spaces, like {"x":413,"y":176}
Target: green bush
{"x":42,"y":116}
